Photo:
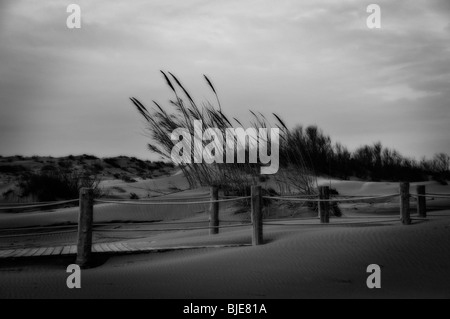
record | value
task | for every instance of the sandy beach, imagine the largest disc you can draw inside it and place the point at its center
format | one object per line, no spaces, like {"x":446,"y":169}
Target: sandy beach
{"x":299,"y":259}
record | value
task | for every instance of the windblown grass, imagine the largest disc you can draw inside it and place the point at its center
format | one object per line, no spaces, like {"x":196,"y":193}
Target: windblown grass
{"x":292,"y":177}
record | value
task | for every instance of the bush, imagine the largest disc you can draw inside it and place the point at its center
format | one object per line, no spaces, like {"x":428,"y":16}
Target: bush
{"x":48,"y":168}
{"x":116,"y":175}
{"x":65,"y":164}
{"x":134,"y":196}
{"x":89,"y":157}
{"x":111,"y":161}
{"x":12,"y":169}
{"x":97,"y":167}
{"x":128,"y":179}
{"x":440,"y":180}
{"x":8,"y":193}
{"x":51,"y":185}
{"x":141,"y":164}
{"x":333,"y":191}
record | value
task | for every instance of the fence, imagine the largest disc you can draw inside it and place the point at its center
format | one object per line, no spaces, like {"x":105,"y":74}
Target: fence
{"x":86,"y":211}
{"x":85,"y":224}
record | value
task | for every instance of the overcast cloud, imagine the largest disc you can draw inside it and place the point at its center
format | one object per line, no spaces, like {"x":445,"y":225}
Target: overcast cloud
{"x":66,"y":91}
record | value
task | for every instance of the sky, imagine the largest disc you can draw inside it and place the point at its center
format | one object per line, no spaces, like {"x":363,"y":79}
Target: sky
{"x":66,"y":91}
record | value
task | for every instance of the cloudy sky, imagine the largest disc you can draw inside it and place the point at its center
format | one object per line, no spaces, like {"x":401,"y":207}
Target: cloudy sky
{"x":65,"y":91}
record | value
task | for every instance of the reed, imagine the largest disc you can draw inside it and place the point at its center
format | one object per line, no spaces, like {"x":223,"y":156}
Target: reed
{"x":292,"y":177}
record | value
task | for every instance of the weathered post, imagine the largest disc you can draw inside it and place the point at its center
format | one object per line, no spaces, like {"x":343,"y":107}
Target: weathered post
{"x":324,"y":207}
{"x":257,"y":218}
{"x":404,"y":203}
{"x":421,"y":201}
{"x":214,"y":212}
{"x":85,"y":219}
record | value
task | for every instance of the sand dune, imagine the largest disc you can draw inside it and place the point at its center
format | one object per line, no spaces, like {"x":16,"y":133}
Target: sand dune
{"x":300,"y":259}
{"x":295,"y":262}
{"x":147,"y":187}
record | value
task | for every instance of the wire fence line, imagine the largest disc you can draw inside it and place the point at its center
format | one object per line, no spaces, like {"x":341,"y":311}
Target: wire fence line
{"x":317,"y":217}
{"x":100,"y":225}
{"x":40,"y":205}
{"x":356,"y":199}
{"x":229,"y":196}
{"x":38,"y":227}
{"x":40,"y":234}
{"x":213,"y":221}
{"x":289,"y":218}
{"x":144,"y":223}
{"x":151,"y":223}
{"x":298,"y":197}
{"x":357,"y":196}
{"x":24,"y":203}
{"x":380,"y":220}
{"x":268,"y":222}
{"x":173,"y":229}
{"x":224,"y":199}
{"x":256,"y":222}
{"x":96,"y":227}
{"x":324,"y":199}
{"x":332,"y":224}
{"x":170,"y":203}
{"x":155,"y":199}
{"x":431,"y":195}
{"x":164,"y":223}
{"x":13,"y":206}
{"x":311,"y":198}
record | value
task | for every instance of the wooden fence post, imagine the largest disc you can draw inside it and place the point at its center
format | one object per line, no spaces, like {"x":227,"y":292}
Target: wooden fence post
{"x":324,"y":207}
{"x":214,"y":212}
{"x":421,"y":201}
{"x":404,"y":203}
{"x":85,"y":219}
{"x":257,"y":218}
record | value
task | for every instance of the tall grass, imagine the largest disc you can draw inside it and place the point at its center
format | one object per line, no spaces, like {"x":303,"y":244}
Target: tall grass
{"x":292,"y":177}
{"x":304,"y":152}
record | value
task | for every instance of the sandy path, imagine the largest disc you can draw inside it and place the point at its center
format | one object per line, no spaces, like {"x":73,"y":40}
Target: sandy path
{"x":295,"y":262}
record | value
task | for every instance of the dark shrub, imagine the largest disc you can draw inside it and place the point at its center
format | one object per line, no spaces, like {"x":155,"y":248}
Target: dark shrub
{"x":134,"y":196}
{"x":48,"y":168}
{"x":111,"y":161}
{"x":128,"y":179}
{"x":89,"y":157}
{"x":97,"y":167}
{"x":13,"y":169}
{"x":54,"y":185}
{"x":65,"y":164}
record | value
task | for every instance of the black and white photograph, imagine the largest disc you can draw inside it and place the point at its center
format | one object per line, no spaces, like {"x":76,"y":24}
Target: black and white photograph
{"x":224,"y":154}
